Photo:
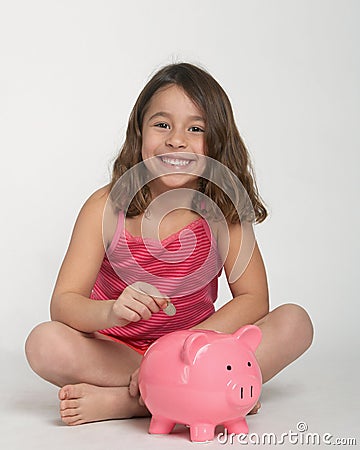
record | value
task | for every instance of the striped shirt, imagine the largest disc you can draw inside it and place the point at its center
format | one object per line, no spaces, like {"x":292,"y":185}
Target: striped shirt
{"x":185,"y":267}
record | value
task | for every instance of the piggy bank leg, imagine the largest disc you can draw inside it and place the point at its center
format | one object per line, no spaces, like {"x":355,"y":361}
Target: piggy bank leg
{"x":238,"y":426}
{"x":201,"y":432}
{"x":160,"y":425}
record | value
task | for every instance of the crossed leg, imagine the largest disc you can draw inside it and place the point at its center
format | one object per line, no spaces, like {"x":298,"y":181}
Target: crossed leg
{"x":94,"y":374}
{"x":287,"y":332}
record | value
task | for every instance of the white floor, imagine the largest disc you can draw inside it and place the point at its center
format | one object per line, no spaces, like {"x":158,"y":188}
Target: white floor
{"x":318,"y":391}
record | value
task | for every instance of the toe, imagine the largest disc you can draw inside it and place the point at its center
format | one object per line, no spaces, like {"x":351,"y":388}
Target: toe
{"x":70,"y":391}
{"x":68,"y":404}
{"x":67,"y":392}
{"x":71,"y":420}
{"x":77,"y":422}
{"x":62,"y":393}
{"x":69,"y":413}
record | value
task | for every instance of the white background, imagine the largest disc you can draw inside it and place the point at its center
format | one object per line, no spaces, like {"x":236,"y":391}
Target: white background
{"x":70,"y":73}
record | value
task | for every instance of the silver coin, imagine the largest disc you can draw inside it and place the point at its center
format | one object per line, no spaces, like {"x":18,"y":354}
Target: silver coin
{"x":170,"y":309}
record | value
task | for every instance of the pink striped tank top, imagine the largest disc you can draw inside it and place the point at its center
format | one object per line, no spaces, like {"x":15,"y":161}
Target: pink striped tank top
{"x":185,"y":266}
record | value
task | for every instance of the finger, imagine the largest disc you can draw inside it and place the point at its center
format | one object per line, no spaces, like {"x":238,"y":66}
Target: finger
{"x":155,"y":304}
{"x":162,"y":302}
{"x":152,"y":292}
{"x":148,"y":301}
{"x":138,"y":307}
{"x":124,"y":311}
{"x":135,"y":291}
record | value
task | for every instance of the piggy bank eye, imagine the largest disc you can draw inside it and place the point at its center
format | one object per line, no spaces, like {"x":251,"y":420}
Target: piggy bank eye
{"x":228,"y":367}
{"x":249,"y":363}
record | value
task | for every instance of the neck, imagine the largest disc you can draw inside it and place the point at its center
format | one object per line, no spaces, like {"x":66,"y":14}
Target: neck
{"x":166,"y":200}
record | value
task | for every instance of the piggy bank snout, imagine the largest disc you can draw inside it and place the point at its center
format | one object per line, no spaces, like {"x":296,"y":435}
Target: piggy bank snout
{"x":245,"y":392}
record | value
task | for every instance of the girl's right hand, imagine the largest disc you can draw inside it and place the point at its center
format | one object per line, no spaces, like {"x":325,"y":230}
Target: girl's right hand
{"x":137,"y":301}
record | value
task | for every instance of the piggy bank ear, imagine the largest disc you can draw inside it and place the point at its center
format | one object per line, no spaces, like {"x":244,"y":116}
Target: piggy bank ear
{"x":250,"y":334}
{"x":192,"y":345}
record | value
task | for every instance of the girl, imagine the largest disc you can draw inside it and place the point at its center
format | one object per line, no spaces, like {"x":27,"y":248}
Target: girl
{"x":105,"y":311}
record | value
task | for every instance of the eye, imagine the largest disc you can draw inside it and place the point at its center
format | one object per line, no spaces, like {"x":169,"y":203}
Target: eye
{"x":228,"y":367}
{"x":249,"y":363}
{"x":162,"y":125}
{"x":196,"y":129}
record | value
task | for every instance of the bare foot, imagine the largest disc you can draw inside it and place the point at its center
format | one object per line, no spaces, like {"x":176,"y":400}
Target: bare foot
{"x":255,"y":409}
{"x":82,"y":403}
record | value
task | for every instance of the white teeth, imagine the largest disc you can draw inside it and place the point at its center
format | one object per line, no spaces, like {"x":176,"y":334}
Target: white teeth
{"x":175,"y":162}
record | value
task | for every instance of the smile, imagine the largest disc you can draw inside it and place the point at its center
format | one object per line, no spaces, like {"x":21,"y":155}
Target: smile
{"x":175,"y":161}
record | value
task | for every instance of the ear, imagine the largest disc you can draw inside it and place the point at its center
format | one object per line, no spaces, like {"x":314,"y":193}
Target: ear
{"x":250,"y":334}
{"x":192,"y":345}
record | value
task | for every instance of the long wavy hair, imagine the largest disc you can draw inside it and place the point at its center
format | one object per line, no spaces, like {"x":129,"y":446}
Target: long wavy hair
{"x":222,"y":138}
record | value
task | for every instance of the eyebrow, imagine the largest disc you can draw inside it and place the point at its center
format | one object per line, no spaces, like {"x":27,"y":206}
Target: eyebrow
{"x":165,"y":114}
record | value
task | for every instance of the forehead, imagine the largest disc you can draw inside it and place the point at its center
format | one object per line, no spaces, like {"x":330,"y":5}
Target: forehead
{"x":173,"y":99}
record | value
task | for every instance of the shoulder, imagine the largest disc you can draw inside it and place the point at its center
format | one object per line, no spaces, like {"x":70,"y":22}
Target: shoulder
{"x":99,"y":197}
{"x":227,"y":233}
{"x":241,"y":236}
{"x":91,"y":213}
{"x":234,"y":229}
{"x":95,"y":204}
{"x":236,"y":243}
{"x":100,"y":215}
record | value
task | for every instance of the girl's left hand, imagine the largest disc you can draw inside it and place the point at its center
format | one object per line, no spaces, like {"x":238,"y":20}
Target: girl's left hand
{"x":134,"y":387}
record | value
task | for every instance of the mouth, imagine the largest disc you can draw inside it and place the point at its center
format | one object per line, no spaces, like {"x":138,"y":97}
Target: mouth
{"x":175,"y":162}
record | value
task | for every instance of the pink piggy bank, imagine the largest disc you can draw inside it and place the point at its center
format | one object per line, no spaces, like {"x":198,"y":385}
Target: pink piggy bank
{"x":202,"y":379}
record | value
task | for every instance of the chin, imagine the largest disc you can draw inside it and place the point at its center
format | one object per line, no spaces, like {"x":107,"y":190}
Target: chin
{"x":172,"y":182}
{"x":177,"y":181}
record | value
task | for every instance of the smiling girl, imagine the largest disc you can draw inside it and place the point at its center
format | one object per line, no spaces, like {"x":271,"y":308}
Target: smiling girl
{"x":115,"y":285}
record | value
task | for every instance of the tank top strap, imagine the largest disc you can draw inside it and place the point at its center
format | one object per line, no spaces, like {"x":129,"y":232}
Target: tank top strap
{"x":119,"y":229}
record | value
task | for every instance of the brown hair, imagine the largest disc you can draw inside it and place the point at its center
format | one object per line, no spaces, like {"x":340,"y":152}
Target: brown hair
{"x":223,"y":141}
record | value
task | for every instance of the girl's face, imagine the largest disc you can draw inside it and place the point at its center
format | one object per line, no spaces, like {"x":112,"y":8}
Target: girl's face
{"x":173,"y":136}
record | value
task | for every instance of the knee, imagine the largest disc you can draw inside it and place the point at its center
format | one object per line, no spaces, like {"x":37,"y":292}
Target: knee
{"x":35,"y":345}
{"x":41,"y":346}
{"x":296,"y":325}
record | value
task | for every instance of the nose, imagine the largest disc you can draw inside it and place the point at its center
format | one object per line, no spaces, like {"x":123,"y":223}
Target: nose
{"x":249,"y":390}
{"x":176,"y":139}
{"x":244,"y":393}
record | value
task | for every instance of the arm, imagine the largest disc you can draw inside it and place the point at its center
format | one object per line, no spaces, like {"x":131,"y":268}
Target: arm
{"x":70,"y":302}
{"x":250,"y":292}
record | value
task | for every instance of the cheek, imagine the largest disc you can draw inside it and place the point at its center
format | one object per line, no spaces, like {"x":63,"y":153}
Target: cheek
{"x":200,"y":146}
{"x":149,"y":144}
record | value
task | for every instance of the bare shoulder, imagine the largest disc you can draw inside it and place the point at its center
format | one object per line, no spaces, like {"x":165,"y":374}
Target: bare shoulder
{"x":90,"y":217}
{"x":94,"y":206}
{"x":100,"y":213}
{"x":98,"y":198}
{"x":86,"y":248}
{"x":236,"y":242}
{"x":241,"y":238}
{"x":235,"y":229}
{"x":227,"y":234}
